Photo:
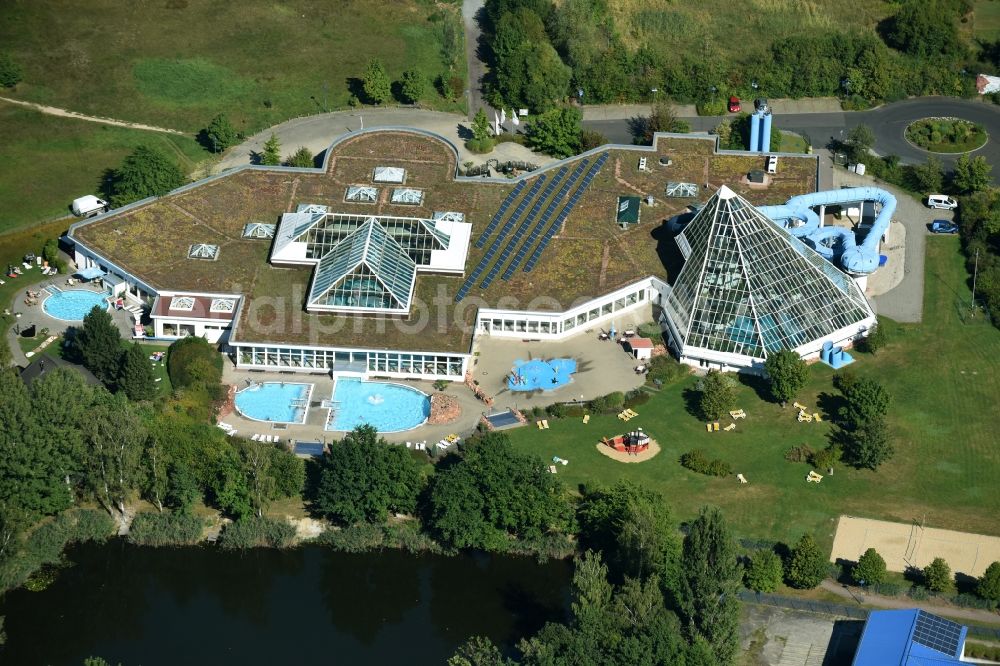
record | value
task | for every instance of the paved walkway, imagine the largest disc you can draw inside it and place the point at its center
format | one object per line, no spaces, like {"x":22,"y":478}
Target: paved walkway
{"x":471,"y":12}
{"x":317,"y":133}
{"x":879,"y":601}
{"x":597,"y":112}
{"x":55,"y":111}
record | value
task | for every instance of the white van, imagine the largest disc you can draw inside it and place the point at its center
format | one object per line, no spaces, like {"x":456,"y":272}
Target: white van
{"x":88,"y":206}
{"x":941,"y":201}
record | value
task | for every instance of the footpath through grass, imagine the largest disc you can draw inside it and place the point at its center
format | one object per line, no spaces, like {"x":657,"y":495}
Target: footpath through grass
{"x":177,"y":63}
{"x":944,"y":379}
{"x":48,"y":161}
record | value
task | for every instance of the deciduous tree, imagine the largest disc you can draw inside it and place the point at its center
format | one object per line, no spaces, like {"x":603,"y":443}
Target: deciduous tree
{"x":787,"y":374}
{"x":220,"y":134}
{"x":937,"y":576}
{"x":807,"y":567}
{"x":718,"y":394}
{"x":972,"y":174}
{"x":869,"y":445}
{"x":870,"y":569}
{"x":116,"y":436}
{"x":376,"y":82}
{"x":988,"y":585}
{"x":480,"y":126}
{"x":764,"y":571}
{"x":929,"y":176}
{"x":363,"y":478}
{"x":556,"y":132}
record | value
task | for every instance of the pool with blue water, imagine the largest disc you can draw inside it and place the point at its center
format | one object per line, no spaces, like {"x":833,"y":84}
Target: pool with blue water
{"x":73,"y":304}
{"x":277,"y":402}
{"x":389,"y":407}
{"x":536,"y":374}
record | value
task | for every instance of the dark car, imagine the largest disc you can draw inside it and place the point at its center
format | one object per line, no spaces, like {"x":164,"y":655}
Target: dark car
{"x":944,"y":227}
{"x":734,"y":104}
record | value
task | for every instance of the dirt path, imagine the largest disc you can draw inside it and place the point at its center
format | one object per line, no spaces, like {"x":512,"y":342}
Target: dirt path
{"x":879,"y":601}
{"x":477,"y":68}
{"x":54,"y":111}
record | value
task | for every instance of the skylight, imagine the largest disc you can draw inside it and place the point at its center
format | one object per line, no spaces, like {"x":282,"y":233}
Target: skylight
{"x":182,"y":303}
{"x":258,"y":230}
{"x":361,"y":194}
{"x":222,"y":305}
{"x":384,"y":174}
{"x":407,"y":196}
{"x":203,"y":251}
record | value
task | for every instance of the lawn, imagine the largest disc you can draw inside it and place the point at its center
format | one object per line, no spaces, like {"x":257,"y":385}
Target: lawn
{"x":176,"y":63}
{"x":48,"y":161}
{"x":944,"y":377}
{"x":946,"y":135}
{"x":986,"y":19}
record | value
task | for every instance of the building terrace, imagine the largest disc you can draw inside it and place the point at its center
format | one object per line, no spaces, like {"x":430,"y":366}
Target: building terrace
{"x":589,"y":256}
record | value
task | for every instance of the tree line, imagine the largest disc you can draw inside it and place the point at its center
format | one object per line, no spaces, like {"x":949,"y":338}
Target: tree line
{"x":543,"y":52}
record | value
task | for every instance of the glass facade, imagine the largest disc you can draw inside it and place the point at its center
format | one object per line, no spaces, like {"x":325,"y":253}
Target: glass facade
{"x":367,"y":270}
{"x":370,"y":362}
{"x":416,"y":236}
{"x":748,"y":287}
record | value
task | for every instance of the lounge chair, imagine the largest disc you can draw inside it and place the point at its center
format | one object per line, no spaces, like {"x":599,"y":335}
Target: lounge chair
{"x":715,"y":426}
{"x":231,"y":433}
{"x":731,"y":426}
{"x":816,"y":417}
{"x":586,"y":418}
{"x":741,"y":478}
{"x":539,"y":424}
{"x":813,"y":477}
{"x":255,"y":438}
{"x":545,"y":424}
{"x":708,"y":427}
{"x":277,"y":440}
{"x":799,"y":407}
{"x":552,"y":469}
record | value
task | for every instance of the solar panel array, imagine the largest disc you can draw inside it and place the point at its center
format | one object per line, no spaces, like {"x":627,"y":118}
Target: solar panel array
{"x":937,"y":633}
{"x":536,"y":231}
{"x":546,"y":216}
{"x":491,"y":227}
{"x":551,"y":231}
{"x":495,"y":245}
{"x":521,"y":229}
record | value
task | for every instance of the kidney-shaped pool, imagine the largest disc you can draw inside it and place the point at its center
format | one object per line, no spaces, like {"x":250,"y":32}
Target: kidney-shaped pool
{"x":388,"y":407}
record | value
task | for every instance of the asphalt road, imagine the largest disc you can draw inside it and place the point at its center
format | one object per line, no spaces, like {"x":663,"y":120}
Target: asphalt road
{"x":470,"y":20}
{"x":887,"y":121}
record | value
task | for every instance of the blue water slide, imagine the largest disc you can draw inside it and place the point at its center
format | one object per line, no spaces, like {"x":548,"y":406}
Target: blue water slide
{"x":799,"y":219}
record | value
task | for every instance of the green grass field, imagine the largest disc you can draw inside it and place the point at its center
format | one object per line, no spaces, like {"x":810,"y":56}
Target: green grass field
{"x":48,"y":161}
{"x":176,"y":63}
{"x":944,"y":378}
{"x":986,"y":19}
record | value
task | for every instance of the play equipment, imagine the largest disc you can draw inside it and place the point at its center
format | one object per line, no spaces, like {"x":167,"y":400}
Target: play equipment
{"x":634,"y":442}
{"x":835,"y":357}
{"x":836,"y":243}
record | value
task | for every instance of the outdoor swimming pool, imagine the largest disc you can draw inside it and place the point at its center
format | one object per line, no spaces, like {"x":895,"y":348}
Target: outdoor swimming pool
{"x":72,"y":304}
{"x":388,"y":407}
{"x":277,"y":402}
{"x":544,"y":375}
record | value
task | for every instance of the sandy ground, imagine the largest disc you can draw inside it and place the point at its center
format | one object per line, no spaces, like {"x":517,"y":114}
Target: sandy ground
{"x":903,"y":545}
{"x":651,"y":452}
{"x":63,"y":113}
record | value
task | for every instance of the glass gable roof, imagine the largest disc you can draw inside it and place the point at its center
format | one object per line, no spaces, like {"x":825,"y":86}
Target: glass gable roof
{"x":417,"y":237}
{"x":747,"y":287}
{"x":368,"y":269}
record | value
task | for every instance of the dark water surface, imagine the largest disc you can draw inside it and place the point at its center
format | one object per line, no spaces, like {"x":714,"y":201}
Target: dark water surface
{"x":154,"y":606}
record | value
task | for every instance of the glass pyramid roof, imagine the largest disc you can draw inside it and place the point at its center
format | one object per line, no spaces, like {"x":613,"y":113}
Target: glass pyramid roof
{"x":748,"y":287}
{"x":368,"y":269}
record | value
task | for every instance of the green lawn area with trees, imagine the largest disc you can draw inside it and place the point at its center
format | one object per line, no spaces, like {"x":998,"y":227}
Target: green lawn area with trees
{"x":178,"y":63}
{"x":944,"y":465}
{"x":946,"y":135}
{"x":49,"y":161}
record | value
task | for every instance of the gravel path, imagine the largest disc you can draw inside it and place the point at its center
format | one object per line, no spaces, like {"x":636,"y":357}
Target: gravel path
{"x":55,"y":111}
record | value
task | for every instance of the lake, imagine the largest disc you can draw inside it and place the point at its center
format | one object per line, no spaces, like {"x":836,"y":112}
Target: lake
{"x":310,"y":605}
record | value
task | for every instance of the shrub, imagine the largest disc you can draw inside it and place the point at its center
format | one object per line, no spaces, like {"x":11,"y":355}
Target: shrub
{"x":610,"y":403}
{"x":636,"y":398}
{"x":480,"y":146}
{"x":807,"y":567}
{"x":302,"y":158}
{"x":870,"y":568}
{"x":665,"y":369}
{"x":10,"y":71}
{"x":718,"y":394}
{"x":696,"y":461}
{"x":980,"y":651}
{"x":826,"y":458}
{"x":937,"y":575}
{"x":764,"y":571}
{"x":713,"y":107}
{"x":254,"y":532}
{"x":799,"y":454}
{"x":165,"y":529}
{"x":358,"y":538}
{"x":887,"y":589}
{"x":988,"y":585}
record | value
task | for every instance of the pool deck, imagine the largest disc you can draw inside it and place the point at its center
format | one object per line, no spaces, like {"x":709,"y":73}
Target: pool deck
{"x":602,"y":367}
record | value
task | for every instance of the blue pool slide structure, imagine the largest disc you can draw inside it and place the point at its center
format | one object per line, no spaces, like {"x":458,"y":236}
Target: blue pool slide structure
{"x":836,"y":243}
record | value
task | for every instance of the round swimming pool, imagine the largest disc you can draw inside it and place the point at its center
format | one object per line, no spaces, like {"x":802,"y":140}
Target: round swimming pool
{"x":388,"y":407}
{"x":277,"y":402}
{"x":73,"y":304}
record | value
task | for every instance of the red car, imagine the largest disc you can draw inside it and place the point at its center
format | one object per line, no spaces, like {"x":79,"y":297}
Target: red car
{"x":734,"y":104}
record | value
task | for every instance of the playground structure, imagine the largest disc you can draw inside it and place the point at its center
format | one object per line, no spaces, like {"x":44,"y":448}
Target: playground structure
{"x":836,"y":244}
{"x":632,"y":443}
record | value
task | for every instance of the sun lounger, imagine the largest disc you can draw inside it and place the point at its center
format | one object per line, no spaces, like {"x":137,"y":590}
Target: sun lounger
{"x":539,"y":424}
{"x":545,"y":424}
{"x":708,"y":427}
{"x":813,"y":477}
{"x":277,"y":440}
{"x":798,"y":406}
{"x":731,"y":426}
{"x":255,"y":438}
{"x":816,"y":417}
{"x":231,"y":433}
{"x":586,"y":418}
{"x":715,"y":426}
{"x":552,"y":468}
{"x":741,"y":478}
